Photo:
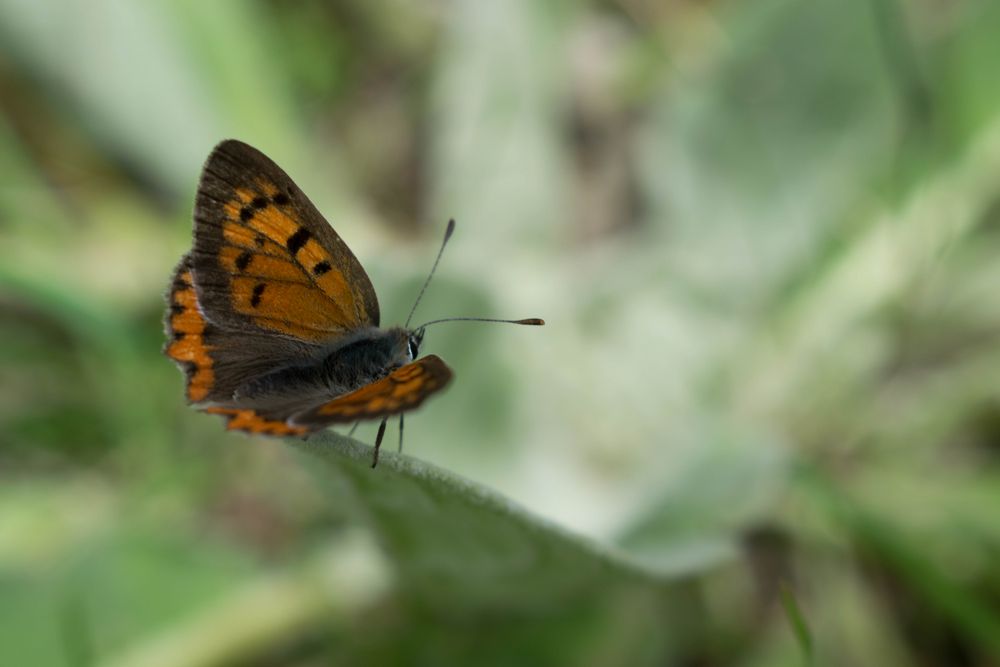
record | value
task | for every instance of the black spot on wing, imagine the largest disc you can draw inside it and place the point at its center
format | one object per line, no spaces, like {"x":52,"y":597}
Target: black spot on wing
{"x":243,"y":261}
{"x":321,"y":268}
{"x":258,"y":290}
{"x":259,"y":202}
{"x":297,"y":240}
{"x":246,"y":213}
{"x":280,"y":199}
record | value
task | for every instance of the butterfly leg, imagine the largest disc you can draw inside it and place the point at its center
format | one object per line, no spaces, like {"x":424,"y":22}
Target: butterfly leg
{"x":353,"y":429}
{"x":378,"y":440}
{"x":400,"y":450}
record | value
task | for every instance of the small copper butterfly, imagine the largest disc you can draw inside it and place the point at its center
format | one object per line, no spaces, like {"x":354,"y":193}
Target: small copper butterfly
{"x":274,"y":321}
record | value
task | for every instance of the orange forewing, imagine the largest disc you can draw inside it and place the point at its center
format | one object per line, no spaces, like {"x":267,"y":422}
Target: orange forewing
{"x":403,"y":389}
{"x":296,"y":291}
{"x":253,"y":264}
{"x":246,"y":238}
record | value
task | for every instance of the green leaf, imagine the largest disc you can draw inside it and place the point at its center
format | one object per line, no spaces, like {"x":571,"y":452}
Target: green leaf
{"x":454,"y":541}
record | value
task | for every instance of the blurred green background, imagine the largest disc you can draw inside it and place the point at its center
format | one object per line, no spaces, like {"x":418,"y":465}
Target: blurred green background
{"x":762,"y":426}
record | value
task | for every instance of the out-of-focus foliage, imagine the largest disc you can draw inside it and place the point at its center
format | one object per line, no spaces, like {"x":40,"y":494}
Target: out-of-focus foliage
{"x":762,"y":426}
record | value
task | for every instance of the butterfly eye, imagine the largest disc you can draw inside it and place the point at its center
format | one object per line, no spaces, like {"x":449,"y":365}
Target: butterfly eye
{"x":414,"y":341}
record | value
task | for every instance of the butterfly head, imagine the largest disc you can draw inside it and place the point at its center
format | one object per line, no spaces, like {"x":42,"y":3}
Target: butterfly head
{"x":414,"y":339}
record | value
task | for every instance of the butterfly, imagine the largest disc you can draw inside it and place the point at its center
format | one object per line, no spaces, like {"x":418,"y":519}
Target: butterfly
{"x":273,"y":320}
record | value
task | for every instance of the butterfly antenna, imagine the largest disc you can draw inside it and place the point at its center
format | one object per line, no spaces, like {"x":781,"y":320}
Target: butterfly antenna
{"x":531,"y":321}
{"x":447,"y":235}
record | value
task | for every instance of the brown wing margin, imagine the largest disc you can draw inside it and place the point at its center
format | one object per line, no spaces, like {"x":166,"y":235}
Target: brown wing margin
{"x":402,"y":390}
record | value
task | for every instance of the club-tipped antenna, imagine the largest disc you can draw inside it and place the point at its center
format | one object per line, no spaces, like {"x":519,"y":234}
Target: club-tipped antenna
{"x":447,"y":235}
{"x":531,"y":321}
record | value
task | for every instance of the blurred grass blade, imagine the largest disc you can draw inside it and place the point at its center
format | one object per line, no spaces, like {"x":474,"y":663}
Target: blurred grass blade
{"x":798,"y":622}
{"x":903,"y":557}
{"x":339,"y":582}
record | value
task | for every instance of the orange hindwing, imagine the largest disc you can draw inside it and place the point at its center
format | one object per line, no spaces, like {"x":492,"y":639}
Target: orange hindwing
{"x":403,"y":389}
